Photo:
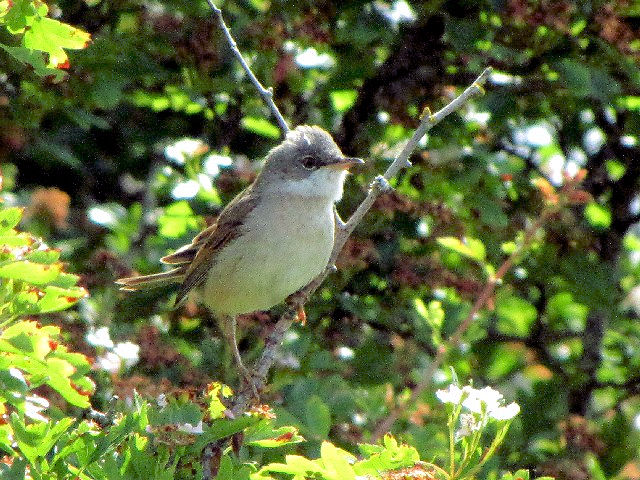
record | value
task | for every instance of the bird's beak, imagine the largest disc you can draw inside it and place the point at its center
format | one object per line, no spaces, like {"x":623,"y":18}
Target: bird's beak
{"x":345,"y":163}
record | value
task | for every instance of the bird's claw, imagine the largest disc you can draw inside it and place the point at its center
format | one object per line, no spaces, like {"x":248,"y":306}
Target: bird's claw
{"x":297,"y":300}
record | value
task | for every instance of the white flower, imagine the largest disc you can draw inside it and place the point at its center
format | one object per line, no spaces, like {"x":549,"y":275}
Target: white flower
{"x":452,"y":395}
{"x":188,"y":428}
{"x":188,"y":189}
{"x":162,"y":400}
{"x":468,"y":424}
{"x":185,"y":148}
{"x":310,"y":58}
{"x":488,"y":398}
{"x":109,"y":362}
{"x":213,"y":162}
{"x":505,"y":413}
{"x":129,"y":353}
{"x":100,"y":338}
{"x":483,"y":404}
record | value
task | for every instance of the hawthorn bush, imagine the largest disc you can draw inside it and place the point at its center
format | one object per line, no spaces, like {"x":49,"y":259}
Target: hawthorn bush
{"x":125,"y":127}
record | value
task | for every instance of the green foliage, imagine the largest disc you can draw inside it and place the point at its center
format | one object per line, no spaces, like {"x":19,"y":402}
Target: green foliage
{"x":43,"y":40}
{"x":32,"y":277}
{"x":156,"y":127}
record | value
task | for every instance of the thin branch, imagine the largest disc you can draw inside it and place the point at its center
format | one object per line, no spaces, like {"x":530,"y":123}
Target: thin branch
{"x":243,"y":397}
{"x":456,"y":337}
{"x":265,"y":93}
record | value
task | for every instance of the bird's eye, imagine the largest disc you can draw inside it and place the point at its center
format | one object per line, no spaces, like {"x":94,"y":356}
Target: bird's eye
{"x":309,"y":163}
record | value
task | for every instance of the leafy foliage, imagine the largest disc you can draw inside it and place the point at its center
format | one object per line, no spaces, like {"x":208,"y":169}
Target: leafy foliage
{"x":155,"y":128}
{"x":43,"y":39}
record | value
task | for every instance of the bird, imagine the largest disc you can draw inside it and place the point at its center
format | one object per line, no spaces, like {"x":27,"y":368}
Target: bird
{"x":269,"y":242}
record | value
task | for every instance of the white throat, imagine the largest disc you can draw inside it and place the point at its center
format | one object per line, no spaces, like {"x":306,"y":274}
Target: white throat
{"x":326,"y":183}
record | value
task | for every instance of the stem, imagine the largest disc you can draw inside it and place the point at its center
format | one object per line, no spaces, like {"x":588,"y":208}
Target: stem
{"x":266,"y":94}
{"x":473,"y":445}
{"x":440,"y":470}
{"x":452,"y":452}
{"x":492,"y":448}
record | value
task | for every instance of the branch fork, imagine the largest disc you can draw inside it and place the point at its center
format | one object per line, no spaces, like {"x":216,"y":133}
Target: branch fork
{"x":244,"y":396}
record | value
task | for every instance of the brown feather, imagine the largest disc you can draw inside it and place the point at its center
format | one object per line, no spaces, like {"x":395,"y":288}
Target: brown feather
{"x":212,"y":240}
{"x":143,"y":281}
{"x":195,"y":259}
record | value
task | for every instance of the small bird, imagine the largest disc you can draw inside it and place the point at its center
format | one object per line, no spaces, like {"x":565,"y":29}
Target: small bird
{"x":270,"y":241}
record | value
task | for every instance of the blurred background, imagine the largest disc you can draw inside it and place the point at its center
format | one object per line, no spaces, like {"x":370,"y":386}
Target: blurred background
{"x":155,"y":128}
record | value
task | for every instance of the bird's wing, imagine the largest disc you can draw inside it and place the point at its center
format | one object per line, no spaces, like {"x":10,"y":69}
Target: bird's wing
{"x":204,"y":248}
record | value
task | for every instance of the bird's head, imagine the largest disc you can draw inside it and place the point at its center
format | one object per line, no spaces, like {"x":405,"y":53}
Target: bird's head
{"x":308,"y":163}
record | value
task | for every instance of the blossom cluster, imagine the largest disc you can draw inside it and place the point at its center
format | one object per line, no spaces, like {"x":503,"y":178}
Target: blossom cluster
{"x":479,"y":406}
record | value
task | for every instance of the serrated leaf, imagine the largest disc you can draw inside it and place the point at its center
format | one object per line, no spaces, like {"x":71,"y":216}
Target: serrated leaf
{"x":337,"y":462}
{"x":20,"y":15}
{"x":52,"y":36}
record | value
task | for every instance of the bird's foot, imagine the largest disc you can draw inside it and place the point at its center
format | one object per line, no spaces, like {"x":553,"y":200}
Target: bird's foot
{"x":301,"y":315}
{"x":297,"y":300}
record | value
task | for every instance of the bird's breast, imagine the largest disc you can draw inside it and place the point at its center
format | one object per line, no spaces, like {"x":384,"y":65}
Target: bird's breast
{"x":283,"y":246}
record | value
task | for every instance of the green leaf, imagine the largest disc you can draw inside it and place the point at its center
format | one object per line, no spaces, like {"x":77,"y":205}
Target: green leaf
{"x":20,"y":15}
{"x":223,"y":428}
{"x":317,"y":417}
{"x":471,"y":248}
{"x":521,"y":475}
{"x":46,"y":256}
{"x":264,"y":435}
{"x":594,"y":468}
{"x":9,"y":218}
{"x":261,"y":127}
{"x":51,"y":36}
{"x":515,"y":315}
{"x":175,"y":413}
{"x":390,"y":456}
{"x":597,"y":215}
{"x":56,"y":430}
{"x":56,"y":299}
{"x":178,"y":218}
{"x":216,"y":392}
{"x":34,"y":273}
{"x":337,"y":462}
{"x":343,"y":100}
{"x":431,"y":316}
{"x":35,"y":59}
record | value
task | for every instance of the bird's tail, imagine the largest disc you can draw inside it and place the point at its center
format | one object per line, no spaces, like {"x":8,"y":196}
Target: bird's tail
{"x":175,"y":275}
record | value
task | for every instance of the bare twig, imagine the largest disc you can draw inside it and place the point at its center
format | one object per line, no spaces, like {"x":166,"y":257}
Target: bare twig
{"x":261,"y":368}
{"x":265,"y":93}
{"x":456,"y":337}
